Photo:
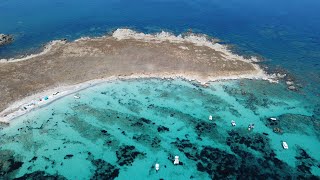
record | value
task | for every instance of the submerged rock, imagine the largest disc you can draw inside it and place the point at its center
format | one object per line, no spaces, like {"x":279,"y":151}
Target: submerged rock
{"x":289,"y":83}
{"x":292,"y":88}
{"x":5,"y":39}
{"x":33,"y":159}
{"x":68,"y":156}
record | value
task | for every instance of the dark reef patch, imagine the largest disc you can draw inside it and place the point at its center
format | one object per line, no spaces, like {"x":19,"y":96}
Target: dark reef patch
{"x":91,"y":132}
{"x":295,"y":123}
{"x":190,"y":150}
{"x":226,"y":166}
{"x":127,"y":154}
{"x":147,"y":140}
{"x":255,"y":141}
{"x":147,"y":121}
{"x":8,"y":164}
{"x":129,"y":122}
{"x":304,"y":161}
{"x":202,"y":128}
{"x":205,"y":128}
{"x":68,"y":156}
{"x":242,"y":162}
{"x":162,"y":128}
{"x":40,"y":175}
{"x":253,"y":97}
{"x":33,"y":159}
{"x":131,"y":104}
{"x":104,"y":170}
{"x":234,"y":112}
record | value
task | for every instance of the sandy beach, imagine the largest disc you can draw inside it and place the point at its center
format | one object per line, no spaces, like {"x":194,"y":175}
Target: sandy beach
{"x":66,"y":67}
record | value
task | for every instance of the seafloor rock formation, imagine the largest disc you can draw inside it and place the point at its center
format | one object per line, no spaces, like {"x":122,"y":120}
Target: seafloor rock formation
{"x":9,"y":164}
{"x":5,"y":39}
{"x":242,"y":163}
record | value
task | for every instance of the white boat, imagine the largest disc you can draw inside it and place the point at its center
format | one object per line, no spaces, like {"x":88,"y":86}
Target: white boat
{"x":76,"y":97}
{"x":176,"y":160}
{"x":233,"y":123}
{"x":157,"y":166}
{"x":285,"y":145}
{"x":210,"y":117}
{"x":273,"y":119}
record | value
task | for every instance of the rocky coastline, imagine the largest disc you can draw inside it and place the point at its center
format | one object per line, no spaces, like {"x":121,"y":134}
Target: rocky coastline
{"x":124,"y":54}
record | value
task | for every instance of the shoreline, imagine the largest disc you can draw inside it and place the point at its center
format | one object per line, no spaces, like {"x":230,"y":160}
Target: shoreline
{"x":33,"y":102}
{"x":46,"y":49}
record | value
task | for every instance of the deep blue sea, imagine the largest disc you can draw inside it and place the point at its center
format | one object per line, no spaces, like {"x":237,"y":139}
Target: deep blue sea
{"x":115,"y":130}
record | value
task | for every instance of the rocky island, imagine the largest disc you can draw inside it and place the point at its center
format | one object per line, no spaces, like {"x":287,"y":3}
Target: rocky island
{"x":124,"y":54}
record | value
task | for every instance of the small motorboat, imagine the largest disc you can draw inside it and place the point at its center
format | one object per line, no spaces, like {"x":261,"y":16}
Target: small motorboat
{"x":250,"y":127}
{"x":273,"y":119}
{"x":157,"y":167}
{"x":285,"y":145}
{"x":76,"y":97}
{"x":210,"y":118}
{"x":176,"y":160}
{"x":233,"y":123}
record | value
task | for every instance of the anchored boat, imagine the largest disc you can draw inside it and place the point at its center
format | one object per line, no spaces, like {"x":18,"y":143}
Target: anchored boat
{"x":233,"y":123}
{"x":250,"y":127}
{"x":157,"y":167}
{"x":176,"y":160}
{"x":285,"y":145}
{"x":273,"y":119}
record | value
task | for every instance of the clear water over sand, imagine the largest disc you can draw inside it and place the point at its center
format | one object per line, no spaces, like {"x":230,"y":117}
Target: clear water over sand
{"x":122,"y":128}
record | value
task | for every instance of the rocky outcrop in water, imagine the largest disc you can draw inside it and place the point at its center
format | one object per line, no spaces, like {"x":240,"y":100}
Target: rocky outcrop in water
{"x":5,"y":39}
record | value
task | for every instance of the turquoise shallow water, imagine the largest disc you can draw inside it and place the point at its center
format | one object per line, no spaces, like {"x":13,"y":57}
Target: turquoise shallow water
{"x":122,"y":128}
{"x":285,"y":33}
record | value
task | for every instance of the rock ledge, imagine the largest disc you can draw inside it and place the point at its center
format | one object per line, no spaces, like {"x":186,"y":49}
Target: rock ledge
{"x":5,"y":39}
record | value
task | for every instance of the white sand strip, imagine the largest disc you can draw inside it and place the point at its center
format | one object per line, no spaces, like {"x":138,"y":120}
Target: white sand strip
{"x":32,"y":102}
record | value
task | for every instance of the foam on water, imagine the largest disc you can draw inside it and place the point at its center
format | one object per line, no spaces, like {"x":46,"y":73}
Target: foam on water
{"x":123,"y":128}
{"x":197,"y":39}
